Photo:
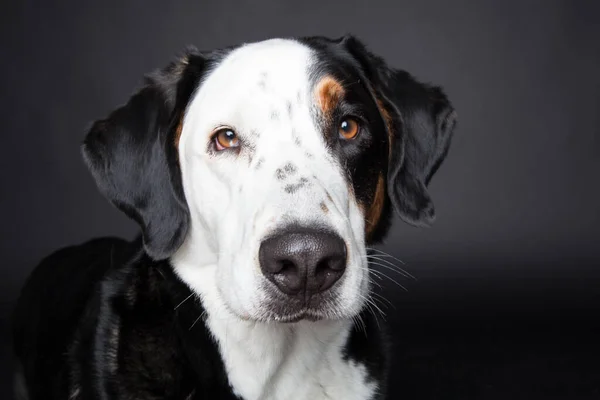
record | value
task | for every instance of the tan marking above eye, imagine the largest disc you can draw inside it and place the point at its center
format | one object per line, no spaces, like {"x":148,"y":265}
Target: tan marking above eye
{"x":348,"y":128}
{"x":225,"y":138}
{"x":328,"y":94}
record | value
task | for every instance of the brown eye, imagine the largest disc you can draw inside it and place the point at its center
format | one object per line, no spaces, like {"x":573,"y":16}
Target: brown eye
{"x":348,"y":128}
{"x":225,"y":138}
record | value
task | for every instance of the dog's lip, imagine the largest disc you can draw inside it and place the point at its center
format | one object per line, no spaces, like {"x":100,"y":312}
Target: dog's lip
{"x":309,"y":315}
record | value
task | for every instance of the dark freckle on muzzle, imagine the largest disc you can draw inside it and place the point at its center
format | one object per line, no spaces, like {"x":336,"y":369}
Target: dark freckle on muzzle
{"x":294,"y":187}
{"x":259,"y":163}
{"x":287,"y":170}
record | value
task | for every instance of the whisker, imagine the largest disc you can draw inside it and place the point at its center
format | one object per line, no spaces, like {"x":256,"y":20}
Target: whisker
{"x":371,"y":303}
{"x":357,"y":320}
{"x":384,"y":275}
{"x":369,"y":271}
{"x":395,"y":267}
{"x":376,"y":283}
{"x":382,"y":298}
{"x":374,"y":304}
{"x":183,"y":301}
{"x":370,"y":310}
{"x":197,"y":319}
{"x":381,"y":275}
{"x":384,"y":254}
{"x":400,"y":272}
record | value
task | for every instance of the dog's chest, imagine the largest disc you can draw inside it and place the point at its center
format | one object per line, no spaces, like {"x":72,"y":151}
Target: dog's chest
{"x":271,"y":362}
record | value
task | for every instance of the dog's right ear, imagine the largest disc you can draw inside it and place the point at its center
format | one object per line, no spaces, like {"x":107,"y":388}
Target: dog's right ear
{"x":420,"y":120}
{"x":133,"y":155}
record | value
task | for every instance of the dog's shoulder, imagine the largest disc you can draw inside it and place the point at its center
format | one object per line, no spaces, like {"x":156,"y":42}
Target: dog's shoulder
{"x":51,"y":305}
{"x":136,"y":338}
{"x":62,"y":282}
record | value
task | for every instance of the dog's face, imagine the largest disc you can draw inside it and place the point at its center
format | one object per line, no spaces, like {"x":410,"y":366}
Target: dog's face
{"x":267,"y":169}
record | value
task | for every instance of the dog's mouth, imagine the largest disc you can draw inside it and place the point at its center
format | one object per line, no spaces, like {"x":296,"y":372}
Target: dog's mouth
{"x":303,"y":315}
{"x":283,"y":309}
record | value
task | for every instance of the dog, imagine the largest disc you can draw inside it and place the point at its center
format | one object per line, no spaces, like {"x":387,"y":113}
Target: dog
{"x":260,"y":175}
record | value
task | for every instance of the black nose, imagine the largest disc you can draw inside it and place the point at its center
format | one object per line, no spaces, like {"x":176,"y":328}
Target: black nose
{"x":303,"y":261}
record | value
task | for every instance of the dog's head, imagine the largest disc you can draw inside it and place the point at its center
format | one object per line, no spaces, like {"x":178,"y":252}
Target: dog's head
{"x":264,"y":171}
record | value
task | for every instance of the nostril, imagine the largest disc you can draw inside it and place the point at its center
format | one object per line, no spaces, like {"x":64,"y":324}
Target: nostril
{"x":330,"y":263}
{"x":327,"y":272}
{"x":287,"y":276}
{"x":283,"y":267}
{"x":337,"y":263}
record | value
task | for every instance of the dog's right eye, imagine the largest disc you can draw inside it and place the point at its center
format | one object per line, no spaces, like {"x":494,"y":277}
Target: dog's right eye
{"x":349,"y":128}
{"x":225,"y":138}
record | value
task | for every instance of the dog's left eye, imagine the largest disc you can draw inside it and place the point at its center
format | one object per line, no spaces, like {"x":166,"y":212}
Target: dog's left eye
{"x":225,"y":138}
{"x":348,"y":128}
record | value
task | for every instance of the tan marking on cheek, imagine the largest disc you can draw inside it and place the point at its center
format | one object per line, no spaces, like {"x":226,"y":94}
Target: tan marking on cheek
{"x":374,"y":211}
{"x":178,"y":133}
{"x":387,"y":118}
{"x":386,"y":115}
{"x":324,"y":207}
{"x":328,"y":94}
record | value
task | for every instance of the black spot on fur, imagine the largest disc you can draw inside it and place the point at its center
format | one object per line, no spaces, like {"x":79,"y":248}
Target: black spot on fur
{"x":287,"y":170}
{"x":290,"y":168}
{"x":294,"y":187}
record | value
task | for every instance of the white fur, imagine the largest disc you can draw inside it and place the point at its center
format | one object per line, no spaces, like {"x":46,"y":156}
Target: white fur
{"x":234,"y":205}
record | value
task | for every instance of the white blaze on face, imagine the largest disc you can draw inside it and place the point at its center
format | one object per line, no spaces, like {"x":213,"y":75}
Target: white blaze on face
{"x":283,"y":174}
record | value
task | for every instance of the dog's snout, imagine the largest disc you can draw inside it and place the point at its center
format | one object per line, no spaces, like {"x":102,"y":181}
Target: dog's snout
{"x":303,"y":262}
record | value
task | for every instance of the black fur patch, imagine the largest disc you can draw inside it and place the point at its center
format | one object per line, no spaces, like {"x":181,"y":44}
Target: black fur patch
{"x":294,"y":187}
{"x":286,"y":171}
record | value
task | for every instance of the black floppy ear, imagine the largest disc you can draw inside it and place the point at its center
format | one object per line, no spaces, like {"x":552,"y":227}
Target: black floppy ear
{"x":133,"y":157}
{"x":421,"y":122}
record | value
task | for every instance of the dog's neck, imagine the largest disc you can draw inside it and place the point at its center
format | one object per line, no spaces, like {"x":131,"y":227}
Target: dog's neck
{"x":270,"y":360}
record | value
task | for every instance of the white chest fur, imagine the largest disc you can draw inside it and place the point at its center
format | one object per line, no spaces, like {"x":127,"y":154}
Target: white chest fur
{"x":295,"y":361}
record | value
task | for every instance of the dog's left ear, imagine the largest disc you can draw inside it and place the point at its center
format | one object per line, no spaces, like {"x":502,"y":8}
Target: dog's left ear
{"x":133,"y":156}
{"x":421,"y":122}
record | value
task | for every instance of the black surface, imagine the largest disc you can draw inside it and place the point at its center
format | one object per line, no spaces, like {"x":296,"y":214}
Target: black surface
{"x":507,"y":297}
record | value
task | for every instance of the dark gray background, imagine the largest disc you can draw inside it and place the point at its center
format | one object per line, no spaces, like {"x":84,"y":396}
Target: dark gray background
{"x":508,"y":287}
